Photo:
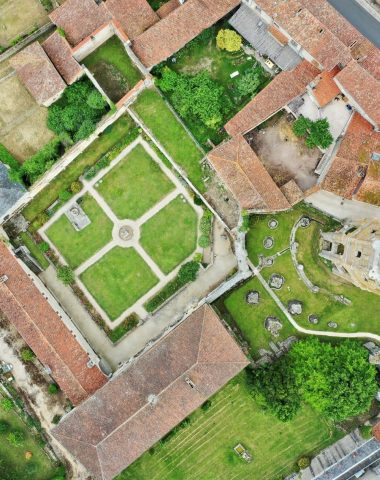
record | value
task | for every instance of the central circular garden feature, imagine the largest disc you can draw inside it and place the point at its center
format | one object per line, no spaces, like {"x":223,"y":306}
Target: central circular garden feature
{"x":126,"y":233}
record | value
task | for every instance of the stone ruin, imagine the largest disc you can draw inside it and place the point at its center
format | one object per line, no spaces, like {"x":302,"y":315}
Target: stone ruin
{"x":313,"y":319}
{"x":273,"y":325}
{"x":276,"y":281}
{"x":295,"y":307}
{"x":273,"y":223}
{"x":332,"y":325}
{"x":305,"y":222}
{"x":77,"y":217}
{"x":252,"y":297}
{"x":268,"y":242}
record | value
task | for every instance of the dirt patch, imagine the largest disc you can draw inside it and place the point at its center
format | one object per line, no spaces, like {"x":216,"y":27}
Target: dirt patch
{"x":223,"y":201}
{"x":23,"y":127}
{"x":204,"y":64}
{"x":19,"y":17}
{"x":284,"y":155}
{"x":111,"y":80}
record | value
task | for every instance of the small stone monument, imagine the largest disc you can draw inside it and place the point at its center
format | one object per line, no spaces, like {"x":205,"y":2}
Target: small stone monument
{"x":252,"y":297}
{"x":276,"y":281}
{"x":305,"y":222}
{"x":273,"y":224}
{"x":268,"y":242}
{"x":295,"y":307}
{"x":273,"y":325}
{"x":332,"y":325}
{"x":313,"y":319}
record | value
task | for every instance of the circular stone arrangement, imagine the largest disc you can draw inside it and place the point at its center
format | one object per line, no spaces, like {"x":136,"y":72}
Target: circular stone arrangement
{"x":305,"y":222}
{"x":313,"y":319}
{"x":332,"y":325}
{"x":74,"y":211}
{"x":268,"y":261}
{"x":252,"y":297}
{"x":273,"y":223}
{"x":276,"y":281}
{"x":268,"y":242}
{"x":126,"y":233}
{"x":295,"y":307}
{"x":273,"y":325}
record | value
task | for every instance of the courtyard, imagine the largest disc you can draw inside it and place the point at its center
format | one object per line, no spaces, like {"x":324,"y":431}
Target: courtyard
{"x":113,"y":69}
{"x":284,"y":155}
{"x":125,"y":246}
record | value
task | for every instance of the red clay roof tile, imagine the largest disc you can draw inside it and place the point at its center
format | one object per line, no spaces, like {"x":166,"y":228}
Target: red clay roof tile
{"x":326,"y":89}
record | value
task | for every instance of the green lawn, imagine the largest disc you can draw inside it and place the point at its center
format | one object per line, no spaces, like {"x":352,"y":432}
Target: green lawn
{"x":250,"y":318}
{"x":113,"y":68}
{"x":27,"y":240}
{"x":122,"y":130}
{"x":171,"y":235}
{"x":135,"y":185}
{"x":361,"y":315}
{"x":203,"y":450}
{"x":156,"y":115}
{"x":118,"y":280}
{"x":76,"y":247}
{"x":13,"y":464}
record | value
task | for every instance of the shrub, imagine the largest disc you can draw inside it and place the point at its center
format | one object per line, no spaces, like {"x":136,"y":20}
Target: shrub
{"x":56,"y":419}
{"x":206,"y":405}
{"x":6,"y":404}
{"x":53,"y":389}
{"x":65,"y":274}
{"x":76,"y":187}
{"x":228,"y":40}
{"x":44,"y":247}
{"x":15,"y":173}
{"x":96,"y":101}
{"x":4,"y":426}
{"x":244,"y":227}
{"x":204,"y":241}
{"x":303,"y":462}
{"x":366,"y":431}
{"x":27,"y":355}
{"x":61,"y":32}
{"x":41,"y":161}
{"x":64,"y":196}
{"x":248,"y":83}
{"x":15,"y":438}
{"x":188,"y":272}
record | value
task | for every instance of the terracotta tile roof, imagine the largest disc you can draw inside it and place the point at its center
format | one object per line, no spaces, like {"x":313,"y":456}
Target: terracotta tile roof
{"x":376,"y":431}
{"x":37,"y":73}
{"x":44,"y":331}
{"x":182,"y":25}
{"x":344,"y":177}
{"x":369,"y":58}
{"x":279,"y":36}
{"x":146,"y":400}
{"x":246,"y":177}
{"x":326,"y":89}
{"x":308,"y":31}
{"x":167,"y":8}
{"x":283,"y":88}
{"x":362,"y":87}
{"x":292,"y":192}
{"x":79,"y":18}
{"x":135,"y":16}
{"x":58,"y":50}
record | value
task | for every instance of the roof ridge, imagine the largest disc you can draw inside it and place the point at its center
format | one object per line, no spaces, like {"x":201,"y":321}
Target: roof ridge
{"x":201,"y":336}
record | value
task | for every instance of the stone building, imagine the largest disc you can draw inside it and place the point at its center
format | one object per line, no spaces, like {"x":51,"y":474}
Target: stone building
{"x":355,"y":253}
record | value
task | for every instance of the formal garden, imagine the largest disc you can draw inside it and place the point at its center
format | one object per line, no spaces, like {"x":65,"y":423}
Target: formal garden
{"x":123,"y":247}
{"x":21,"y":455}
{"x":113,"y":68}
{"x":210,"y":80}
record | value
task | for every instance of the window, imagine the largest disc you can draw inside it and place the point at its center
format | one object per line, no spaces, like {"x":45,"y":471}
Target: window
{"x":358,"y":254}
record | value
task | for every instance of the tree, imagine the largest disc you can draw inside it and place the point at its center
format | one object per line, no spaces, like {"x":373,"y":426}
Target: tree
{"x":6,"y":404}
{"x":27,"y":355}
{"x":317,"y":133}
{"x":228,"y":40}
{"x":248,"y":83}
{"x":275,"y":388}
{"x":301,"y":126}
{"x":53,"y":389}
{"x":65,"y":274}
{"x":96,"y":101}
{"x":4,"y":426}
{"x":337,"y":380}
{"x":43,"y":247}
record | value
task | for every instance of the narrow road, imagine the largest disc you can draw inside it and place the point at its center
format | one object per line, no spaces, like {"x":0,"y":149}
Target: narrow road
{"x":359,"y":18}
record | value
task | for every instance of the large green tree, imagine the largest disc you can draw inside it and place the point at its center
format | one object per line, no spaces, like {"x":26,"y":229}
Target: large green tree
{"x":316,"y":133}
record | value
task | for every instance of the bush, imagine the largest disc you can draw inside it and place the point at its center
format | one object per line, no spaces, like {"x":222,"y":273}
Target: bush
{"x":244,"y":227}
{"x":248,"y":83}
{"x":206,"y":405}
{"x":15,"y":173}
{"x":303,"y":462}
{"x":15,"y":438}
{"x":76,"y":187}
{"x":6,"y":404}
{"x":204,"y":241}
{"x":366,"y":431}
{"x":40,"y":162}
{"x":228,"y":40}
{"x":56,"y":419}
{"x":65,"y":274}
{"x":53,"y":389}
{"x":44,"y":247}
{"x":188,"y":272}
{"x":4,"y":426}
{"x":64,"y":196}
{"x":27,"y":355}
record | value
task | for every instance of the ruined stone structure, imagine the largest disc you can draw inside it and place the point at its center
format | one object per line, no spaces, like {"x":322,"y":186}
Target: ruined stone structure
{"x":355,"y":253}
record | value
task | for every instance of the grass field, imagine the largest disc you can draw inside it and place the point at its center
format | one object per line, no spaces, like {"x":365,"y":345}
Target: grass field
{"x":250,"y":318}
{"x":203,"y":449}
{"x":135,"y":185}
{"x":113,"y":68}
{"x":361,"y":315}
{"x":76,"y":247}
{"x":118,"y":280}
{"x":13,"y":464}
{"x":121,"y":130}
{"x":171,"y":235}
{"x":34,"y":250}
{"x":156,"y":115}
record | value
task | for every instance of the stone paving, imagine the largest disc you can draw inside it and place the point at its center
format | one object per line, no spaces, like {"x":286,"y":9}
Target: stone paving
{"x":119,"y":225}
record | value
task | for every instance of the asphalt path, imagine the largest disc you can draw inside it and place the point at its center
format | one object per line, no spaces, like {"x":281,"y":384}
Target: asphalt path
{"x":359,"y":18}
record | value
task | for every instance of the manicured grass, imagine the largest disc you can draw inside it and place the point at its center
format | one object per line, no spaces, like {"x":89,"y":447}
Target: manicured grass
{"x":76,"y":247}
{"x":118,"y":280}
{"x":203,"y":450}
{"x":135,"y":185}
{"x":156,"y":115}
{"x":250,"y":318}
{"x":113,"y":69}
{"x":34,"y":250}
{"x":171,"y":235}
{"x":13,"y":464}
{"x":123,"y":130}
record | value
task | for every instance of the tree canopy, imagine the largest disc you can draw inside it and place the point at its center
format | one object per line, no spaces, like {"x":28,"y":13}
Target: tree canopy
{"x":228,"y":40}
{"x":317,"y":132}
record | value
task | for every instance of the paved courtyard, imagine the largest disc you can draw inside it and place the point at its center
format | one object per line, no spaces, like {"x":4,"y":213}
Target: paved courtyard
{"x":118,"y":262}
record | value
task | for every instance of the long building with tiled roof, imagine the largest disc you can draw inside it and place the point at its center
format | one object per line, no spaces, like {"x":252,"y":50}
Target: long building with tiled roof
{"x":152,"y":395}
{"x":42,"y":328}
